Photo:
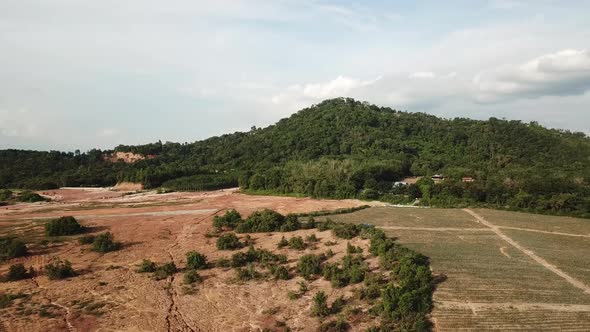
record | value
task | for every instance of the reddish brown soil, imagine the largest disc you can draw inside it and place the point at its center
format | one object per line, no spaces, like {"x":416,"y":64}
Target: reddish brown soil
{"x":161,"y":228}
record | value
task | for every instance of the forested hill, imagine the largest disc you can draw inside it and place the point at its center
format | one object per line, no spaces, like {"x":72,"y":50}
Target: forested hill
{"x":345,"y":148}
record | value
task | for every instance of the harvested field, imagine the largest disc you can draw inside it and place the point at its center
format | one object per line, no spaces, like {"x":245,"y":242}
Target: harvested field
{"x":108,"y":293}
{"x":492,"y":285}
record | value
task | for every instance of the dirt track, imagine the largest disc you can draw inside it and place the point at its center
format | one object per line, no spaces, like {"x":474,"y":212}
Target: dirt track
{"x":573,"y":281}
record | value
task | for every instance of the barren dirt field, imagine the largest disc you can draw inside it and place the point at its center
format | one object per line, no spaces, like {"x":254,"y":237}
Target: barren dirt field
{"x":505,"y":271}
{"x":109,"y":295}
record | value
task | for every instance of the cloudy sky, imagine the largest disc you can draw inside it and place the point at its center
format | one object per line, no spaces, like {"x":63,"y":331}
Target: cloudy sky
{"x":77,"y":74}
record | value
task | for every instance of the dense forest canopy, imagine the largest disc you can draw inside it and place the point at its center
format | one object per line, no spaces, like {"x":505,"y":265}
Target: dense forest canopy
{"x":345,"y":148}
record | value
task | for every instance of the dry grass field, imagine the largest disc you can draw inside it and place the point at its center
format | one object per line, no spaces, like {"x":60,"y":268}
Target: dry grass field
{"x":492,"y":285}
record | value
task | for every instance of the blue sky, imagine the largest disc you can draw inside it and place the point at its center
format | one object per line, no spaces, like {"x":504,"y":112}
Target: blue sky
{"x":77,"y":74}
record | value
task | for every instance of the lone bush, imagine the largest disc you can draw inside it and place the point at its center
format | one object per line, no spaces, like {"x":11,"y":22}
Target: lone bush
{"x":192,"y":276}
{"x":147,"y":266}
{"x":320,"y":305}
{"x":18,"y":272}
{"x":11,"y":247}
{"x":280,"y":272}
{"x":164,"y":271}
{"x":196,"y":261}
{"x":297,"y":243}
{"x":228,"y":242}
{"x":104,"y":243}
{"x":283,"y":243}
{"x":63,"y":226}
{"x":59,"y":269}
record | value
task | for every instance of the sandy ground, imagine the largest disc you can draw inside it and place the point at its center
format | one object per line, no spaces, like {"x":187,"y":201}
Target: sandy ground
{"x":161,"y":228}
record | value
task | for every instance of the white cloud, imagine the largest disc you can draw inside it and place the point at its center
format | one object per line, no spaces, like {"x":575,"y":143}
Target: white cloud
{"x":338,"y":87}
{"x":423,"y":75}
{"x":301,"y":95}
{"x":107,"y":132}
{"x":562,"y":73}
{"x":505,"y":4}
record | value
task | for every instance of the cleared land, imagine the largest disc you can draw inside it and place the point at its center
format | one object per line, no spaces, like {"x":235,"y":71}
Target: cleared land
{"x":491,"y":283}
{"x":110,"y":295}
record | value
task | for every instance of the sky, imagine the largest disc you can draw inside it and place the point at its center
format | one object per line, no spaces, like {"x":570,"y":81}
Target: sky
{"x":78,"y":74}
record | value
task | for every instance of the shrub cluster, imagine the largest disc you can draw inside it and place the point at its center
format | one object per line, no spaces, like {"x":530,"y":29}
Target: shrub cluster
{"x":63,"y":226}
{"x":268,"y":221}
{"x":404,"y":303}
{"x":332,"y":212}
{"x":11,"y":247}
{"x":229,"y":241}
{"x":86,"y":239}
{"x":58,"y":269}
{"x":230,"y":220}
{"x":30,"y":197}
{"x":247,"y":273}
{"x":253,"y":255}
{"x":350,"y":270}
{"x":310,"y":265}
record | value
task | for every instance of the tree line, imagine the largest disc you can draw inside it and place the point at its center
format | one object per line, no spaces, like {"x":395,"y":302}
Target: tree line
{"x":343,"y":148}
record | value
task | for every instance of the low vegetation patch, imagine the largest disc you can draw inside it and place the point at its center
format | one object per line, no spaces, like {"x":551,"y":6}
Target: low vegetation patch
{"x":6,"y":299}
{"x":63,"y":226}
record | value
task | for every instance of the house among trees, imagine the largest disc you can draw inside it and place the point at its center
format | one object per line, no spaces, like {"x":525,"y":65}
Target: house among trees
{"x":437,"y":177}
{"x":467,"y":179}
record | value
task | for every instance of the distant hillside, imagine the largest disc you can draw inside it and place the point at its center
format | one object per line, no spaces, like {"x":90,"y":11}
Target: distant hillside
{"x":345,"y":148}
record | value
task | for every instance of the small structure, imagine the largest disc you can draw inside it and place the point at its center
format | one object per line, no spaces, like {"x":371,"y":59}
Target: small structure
{"x":411,"y":180}
{"x":437,"y":177}
{"x":400,"y":184}
{"x":467,"y":179}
